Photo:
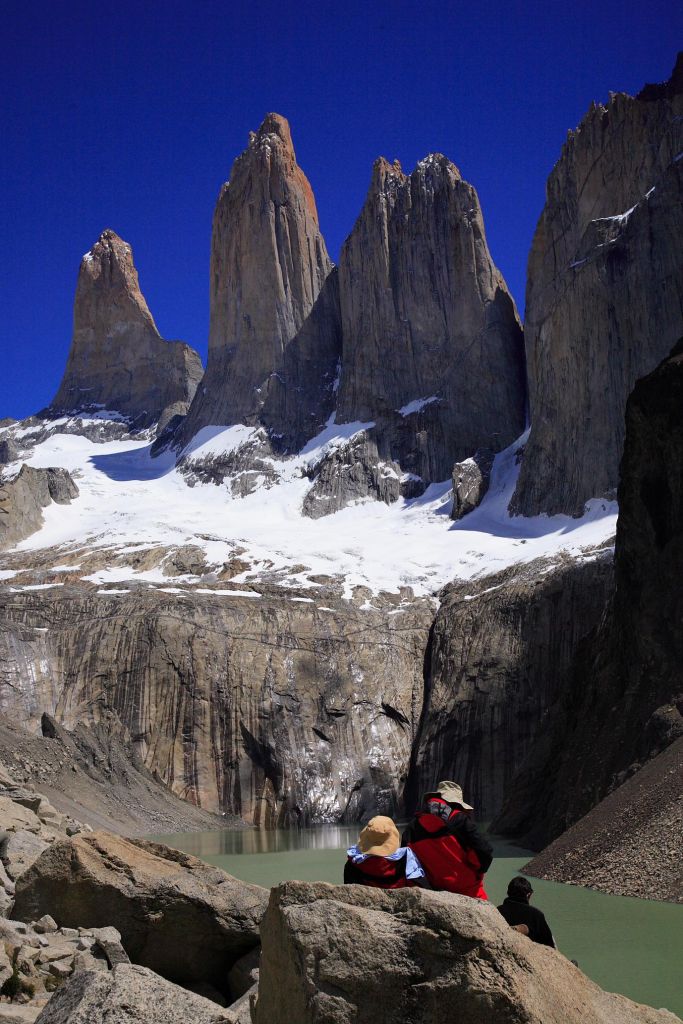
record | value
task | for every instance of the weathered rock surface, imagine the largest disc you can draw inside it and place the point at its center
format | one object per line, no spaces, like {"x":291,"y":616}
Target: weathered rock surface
{"x":279,"y":710}
{"x":23,"y":499}
{"x":622,"y":705}
{"x":268,"y":264}
{"x":427,"y":316}
{"x":427,"y":958}
{"x":471,"y":480}
{"x":604,"y":297}
{"x":631,"y":844}
{"x":118,"y":361}
{"x":176,"y":915}
{"x":302,"y":395}
{"x":350,"y":474}
{"x":127,"y":995}
{"x":501,"y":654}
{"x":91,"y":774}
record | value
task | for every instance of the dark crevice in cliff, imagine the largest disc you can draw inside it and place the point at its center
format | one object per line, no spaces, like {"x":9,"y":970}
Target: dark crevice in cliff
{"x":411,"y":795}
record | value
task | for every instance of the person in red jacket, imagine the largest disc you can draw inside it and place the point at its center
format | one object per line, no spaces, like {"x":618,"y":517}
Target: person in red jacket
{"x":378,"y":859}
{"x":453,"y":853}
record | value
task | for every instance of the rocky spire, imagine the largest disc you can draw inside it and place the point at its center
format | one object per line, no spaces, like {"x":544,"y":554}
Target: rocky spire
{"x":427,"y":316}
{"x":268,"y":264}
{"x":604,"y":291}
{"x":118,"y":360}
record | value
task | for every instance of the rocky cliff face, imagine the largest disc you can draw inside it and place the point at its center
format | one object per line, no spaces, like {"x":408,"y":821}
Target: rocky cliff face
{"x":271,"y":708}
{"x":432,"y":344}
{"x":118,"y":361}
{"x":268,"y":264}
{"x":500,"y":656}
{"x":622,"y":705}
{"x":605,"y":291}
{"x":23,"y":499}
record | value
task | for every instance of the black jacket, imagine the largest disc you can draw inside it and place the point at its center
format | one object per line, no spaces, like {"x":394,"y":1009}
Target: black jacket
{"x":519,"y":912}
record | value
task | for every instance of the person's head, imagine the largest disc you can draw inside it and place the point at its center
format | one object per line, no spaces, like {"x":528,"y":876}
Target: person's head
{"x":448,"y":794}
{"x":520,"y":889}
{"x":379,"y":838}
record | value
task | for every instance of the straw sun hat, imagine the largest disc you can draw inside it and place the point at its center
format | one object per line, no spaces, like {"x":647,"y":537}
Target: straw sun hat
{"x":451,"y":792}
{"x":379,"y":837}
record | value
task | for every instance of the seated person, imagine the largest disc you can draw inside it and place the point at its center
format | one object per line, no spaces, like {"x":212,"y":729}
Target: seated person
{"x":378,"y":859}
{"x":516,"y":911}
{"x":454,"y":855}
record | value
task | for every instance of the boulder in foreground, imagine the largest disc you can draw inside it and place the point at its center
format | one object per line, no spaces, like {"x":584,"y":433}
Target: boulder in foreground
{"x":340,"y":954}
{"x":128,"y":995}
{"x":182,"y":918}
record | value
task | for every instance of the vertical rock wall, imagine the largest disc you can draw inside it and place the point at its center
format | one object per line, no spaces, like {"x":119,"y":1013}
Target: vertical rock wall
{"x":623,"y":702}
{"x":604,"y":297}
{"x":118,"y":361}
{"x":268,"y":264}
{"x":274,"y":710}
{"x":426,"y":315}
{"x":501,"y":654}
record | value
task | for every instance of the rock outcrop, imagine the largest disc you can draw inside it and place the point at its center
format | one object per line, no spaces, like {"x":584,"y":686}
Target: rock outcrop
{"x":268,"y":264}
{"x":127,"y":995}
{"x":471,"y":480}
{"x":280,"y":708}
{"x":500,"y":656}
{"x":178,"y":916}
{"x":432,"y":346}
{"x":92,"y":775}
{"x":118,"y":361}
{"x":23,"y":499}
{"x":427,"y":958}
{"x":604,"y":299}
{"x":622,"y":704}
{"x":631,"y":844}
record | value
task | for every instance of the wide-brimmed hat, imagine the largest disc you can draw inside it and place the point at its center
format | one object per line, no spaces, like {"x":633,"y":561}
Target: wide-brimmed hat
{"x":451,"y":792}
{"x":379,"y":837}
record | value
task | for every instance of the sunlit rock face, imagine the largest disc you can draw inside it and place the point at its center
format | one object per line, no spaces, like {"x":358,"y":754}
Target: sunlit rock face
{"x":432,"y":346}
{"x":604,"y":299}
{"x":118,"y":361}
{"x":268,"y":264}
{"x":269,"y":707}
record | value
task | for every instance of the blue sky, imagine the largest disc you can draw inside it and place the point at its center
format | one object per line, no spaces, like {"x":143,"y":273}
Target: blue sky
{"x":129,"y":115}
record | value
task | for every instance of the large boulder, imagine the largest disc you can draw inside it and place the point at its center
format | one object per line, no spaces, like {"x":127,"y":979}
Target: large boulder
{"x":128,"y":995}
{"x":182,"y":918}
{"x":349,"y":953}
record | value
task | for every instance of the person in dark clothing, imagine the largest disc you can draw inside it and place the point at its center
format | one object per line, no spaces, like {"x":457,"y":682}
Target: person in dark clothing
{"x":516,"y":911}
{"x":453,"y":853}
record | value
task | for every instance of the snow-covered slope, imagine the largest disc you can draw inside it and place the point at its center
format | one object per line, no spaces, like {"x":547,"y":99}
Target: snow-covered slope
{"x":130,"y":501}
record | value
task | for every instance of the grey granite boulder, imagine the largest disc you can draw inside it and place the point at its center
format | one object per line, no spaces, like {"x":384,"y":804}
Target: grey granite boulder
{"x":471,"y":480}
{"x":127,"y":995}
{"x":341,"y":954}
{"x":178,"y":916}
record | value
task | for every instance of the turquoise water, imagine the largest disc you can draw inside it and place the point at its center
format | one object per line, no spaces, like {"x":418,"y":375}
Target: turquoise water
{"x":626,"y":945}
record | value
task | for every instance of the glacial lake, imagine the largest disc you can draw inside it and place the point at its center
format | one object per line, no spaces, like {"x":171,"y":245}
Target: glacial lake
{"x":626,"y":945}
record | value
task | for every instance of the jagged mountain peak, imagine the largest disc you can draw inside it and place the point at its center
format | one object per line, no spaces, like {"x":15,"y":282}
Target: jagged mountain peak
{"x":268,"y":264}
{"x":118,"y":360}
{"x":108,"y":291}
{"x":273,"y":129}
